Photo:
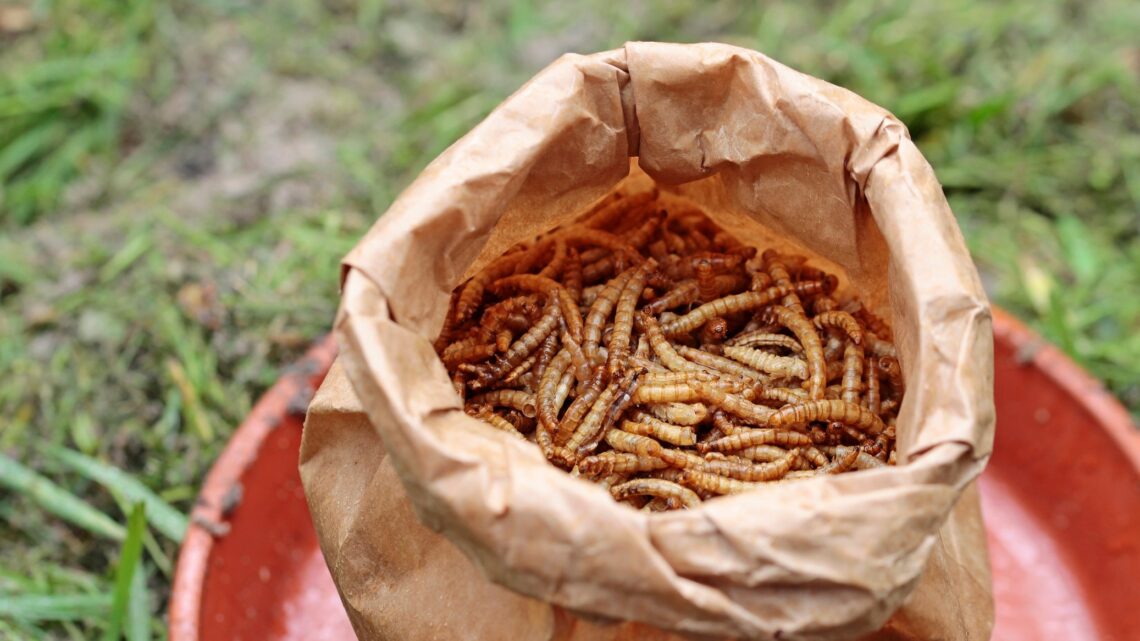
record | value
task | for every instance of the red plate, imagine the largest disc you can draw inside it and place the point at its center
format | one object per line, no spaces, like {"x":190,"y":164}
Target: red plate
{"x":1061,"y":498}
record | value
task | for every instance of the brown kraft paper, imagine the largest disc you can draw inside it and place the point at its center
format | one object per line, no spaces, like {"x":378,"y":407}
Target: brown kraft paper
{"x":777,"y":158}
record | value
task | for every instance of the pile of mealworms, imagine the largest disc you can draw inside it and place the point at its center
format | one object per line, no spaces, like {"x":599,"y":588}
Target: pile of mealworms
{"x":646,"y":349}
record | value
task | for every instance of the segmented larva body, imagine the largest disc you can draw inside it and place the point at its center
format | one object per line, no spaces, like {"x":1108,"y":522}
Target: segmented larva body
{"x":485,"y":414}
{"x":581,"y":405}
{"x":664,"y":350}
{"x":517,"y":399}
{"x":600,"y":310}
{"x":722,"y":365}
{"x":783,"y":366}
{"x":623,"y":317}
{"x":750,"y":438}
{"x":662,"y":431}
{"x":472,"y":294}
{"x":828,"y":410}
{"x":871,"y":371}
{"x":678,"y":496}
{"x":843,"y":321}
{"x":813,"y":349}
{"x":758,"y":339}
{"x":466,"y":352}
{"x":557,"y":261}
{"x":723,"y":307}
{"x":852,"y":373}
{"x":679,"y":413}
{"x":614,"y":462}
{"x":547,"y":396}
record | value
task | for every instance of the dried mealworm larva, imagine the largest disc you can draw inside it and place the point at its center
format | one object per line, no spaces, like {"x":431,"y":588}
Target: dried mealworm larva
{"x":664,"y":350}
{"x":766,"y":339}
{"x":581,"y":405}
{"x":614,"y":462}
{"x":871,"y":371}
{"x":828,"y":410}
{"x":461,"y":352}
{"x":782,"y":366}
{"x":852,"y":373}
{"x":485,"y":414}
{"x":572,"y":274}
{"x":893,"y":371}
{"x":843,"y":321}
{"x":472,"y":293}
{"x":721,"y":364}
{"x":679,"y":413}
{"x":723,"y":307}
{"x":749,"y":438}
{"x":600,"y":310}
{"x":546,"y":397}
{"x":715,"y":483}
{"x":677,"y":495}
{"x":662,"y":431}
{"x":517,"y":399}
{"x":813,"y":349}
{"x":623,"y":316}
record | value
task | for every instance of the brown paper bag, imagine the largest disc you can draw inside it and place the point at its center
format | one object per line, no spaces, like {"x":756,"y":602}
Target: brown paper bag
{"x":777,"y":158}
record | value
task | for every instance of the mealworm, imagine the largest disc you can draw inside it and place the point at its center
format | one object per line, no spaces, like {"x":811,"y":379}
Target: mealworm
{"x":669,"y":377}
{"x":888,"y":406}
{"x":572,"y":274}
{"x":578,"y":235}
{"x":525,"y":366}
{"x":617,"y":208}
{"x":749,"y":438}
{"x":661,"y":346}
{"x":813,"y":288}
{"x":591,"y":424}
{"x":780,"y":277}
{"x":706,"y":287}
{"x":521,"y":348}
{"x":827,"y":410}
{"x":834,"y":348}
{"x":547,"y":409}
{"x":893,"y":371}
{"x":782,"y":395}
{"x":614,"y":462}
{"x":743,"y":470}
{"x":472,"y":294}
{"x":546,"y":353}
{"x":679,"y":413}
{"x":631,"y":443}
{"x":580,"y":406}
{"x":683,"y":293}
{"x":714,"y":331}
{"x":721,"y":364}
{"x":809,"y":338}
{"x":784,"y":366}
{"x":503,"y":339}
{"x":678,"y":496}
{"x":845,"y":457}
{"x":766,"y":339}
{"x":578,"y":360}
{"x":715,"y":483}
{"x":600,"y":310}
{"x":618,"y":344}
{"x":662,"y":431}
{"x":876,"y":325}
{"x":863,"y":460}
{"x":852,"y":373}
{"x":735,"y":405}
{"x":590,"y":294}
{"x":723,"y":307}
{"x":484,"y":414}
{"x":824,"y":304}
{"x":457,"y":353}
{"x":557,"y":261}
{"x":879,"y":347}
{"x":871,"y":371}
{"x":517,"y":399}
{"x":843,"y":321}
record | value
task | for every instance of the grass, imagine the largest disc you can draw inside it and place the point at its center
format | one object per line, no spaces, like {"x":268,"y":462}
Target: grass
{"x":179,"y":180}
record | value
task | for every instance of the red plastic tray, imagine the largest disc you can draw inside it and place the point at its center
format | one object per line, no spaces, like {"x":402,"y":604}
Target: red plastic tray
{"x":1061,"y":498}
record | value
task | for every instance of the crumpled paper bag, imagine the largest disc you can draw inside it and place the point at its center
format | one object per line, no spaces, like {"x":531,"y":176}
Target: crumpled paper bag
{"x":775,"y":157}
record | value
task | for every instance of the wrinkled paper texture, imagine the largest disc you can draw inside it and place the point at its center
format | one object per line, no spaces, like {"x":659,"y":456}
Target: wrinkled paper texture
{"x":779,"y":159}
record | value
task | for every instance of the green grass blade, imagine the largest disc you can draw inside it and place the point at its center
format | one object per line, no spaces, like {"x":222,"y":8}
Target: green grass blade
{"x":167,"y":520}
{"x":138,"y":607}
{"x":124,"y":574}
{"x":54,"y":607}
{"x":55,"y":499}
